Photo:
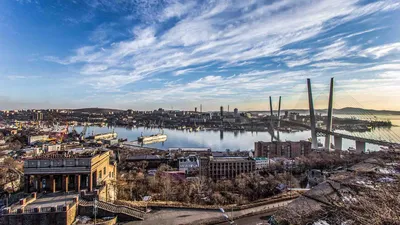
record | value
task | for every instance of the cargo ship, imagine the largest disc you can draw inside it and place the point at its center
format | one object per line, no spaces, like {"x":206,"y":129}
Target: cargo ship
{"x":152,"y":138}
{"x":110,"y":135}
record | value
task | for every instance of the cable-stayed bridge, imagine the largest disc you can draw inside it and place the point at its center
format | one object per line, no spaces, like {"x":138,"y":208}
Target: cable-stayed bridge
{"x":373,"y":135}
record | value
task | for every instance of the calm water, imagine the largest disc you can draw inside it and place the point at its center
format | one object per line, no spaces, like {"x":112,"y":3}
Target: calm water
{"x":220,"y":141}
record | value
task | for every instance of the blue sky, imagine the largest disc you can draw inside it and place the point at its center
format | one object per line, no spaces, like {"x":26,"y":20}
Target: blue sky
{"x":149,"y":54}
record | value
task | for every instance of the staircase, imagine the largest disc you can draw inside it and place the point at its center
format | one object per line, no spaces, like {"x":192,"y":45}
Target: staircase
{"x":116,"y":209}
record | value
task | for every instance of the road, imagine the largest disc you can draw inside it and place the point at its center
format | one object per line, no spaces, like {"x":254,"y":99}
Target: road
{"x":185,"y":216}
{"x":251,"y":220}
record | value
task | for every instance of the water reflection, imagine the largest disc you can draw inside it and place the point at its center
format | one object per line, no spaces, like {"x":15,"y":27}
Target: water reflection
{"x":210,"y":138}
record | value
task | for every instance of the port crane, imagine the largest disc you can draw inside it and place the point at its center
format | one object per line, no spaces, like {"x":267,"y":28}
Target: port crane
{"x":83,"y":133}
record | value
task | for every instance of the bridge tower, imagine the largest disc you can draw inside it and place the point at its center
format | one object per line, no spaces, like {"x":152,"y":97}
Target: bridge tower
{"x":329,"y":120}
{"x":314,"y":144}
{"x":279,"y":112}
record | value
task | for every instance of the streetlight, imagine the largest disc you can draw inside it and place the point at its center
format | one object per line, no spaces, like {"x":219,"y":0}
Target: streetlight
{"x":95,"y":210}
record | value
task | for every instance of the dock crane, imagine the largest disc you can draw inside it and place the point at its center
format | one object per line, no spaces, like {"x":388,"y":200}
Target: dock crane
{"x":83,"y":133}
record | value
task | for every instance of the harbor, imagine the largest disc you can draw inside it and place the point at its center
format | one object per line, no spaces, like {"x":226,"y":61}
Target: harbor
{"x":214,"y":139}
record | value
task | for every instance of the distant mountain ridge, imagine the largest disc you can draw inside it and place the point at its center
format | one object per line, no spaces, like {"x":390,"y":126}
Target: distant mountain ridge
{"x":97,"y":110}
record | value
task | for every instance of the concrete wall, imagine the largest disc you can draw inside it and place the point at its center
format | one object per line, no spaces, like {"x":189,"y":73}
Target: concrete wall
{"x":45,"y":218}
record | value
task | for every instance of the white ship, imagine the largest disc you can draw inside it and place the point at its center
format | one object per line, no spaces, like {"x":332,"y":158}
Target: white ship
{"x":152,"y":138}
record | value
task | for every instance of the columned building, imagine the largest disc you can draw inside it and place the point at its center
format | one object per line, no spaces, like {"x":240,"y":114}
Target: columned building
{"x":68,"y":171}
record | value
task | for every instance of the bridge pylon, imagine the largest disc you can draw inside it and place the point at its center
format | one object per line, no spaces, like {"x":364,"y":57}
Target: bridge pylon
{"x":314,"y":143}
{"x":329,"y":119}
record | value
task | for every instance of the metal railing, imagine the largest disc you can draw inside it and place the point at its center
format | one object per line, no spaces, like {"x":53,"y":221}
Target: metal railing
{"x":115,"y":208}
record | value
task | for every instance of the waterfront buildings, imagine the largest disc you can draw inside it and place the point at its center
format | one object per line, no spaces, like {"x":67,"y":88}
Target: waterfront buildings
{"x":64,"y":171}
{"x":286,"y":149}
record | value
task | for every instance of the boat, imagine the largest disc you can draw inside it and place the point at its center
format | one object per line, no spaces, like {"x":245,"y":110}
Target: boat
{"x":152,"y":138}
{"x":351,"y":149}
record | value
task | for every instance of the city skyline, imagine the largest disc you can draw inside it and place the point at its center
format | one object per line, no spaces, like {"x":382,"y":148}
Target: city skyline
{"x":148,"y":55}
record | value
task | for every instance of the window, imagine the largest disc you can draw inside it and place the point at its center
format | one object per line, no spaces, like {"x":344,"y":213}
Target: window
{"x":100,"y":174}
{"x":104,"y":170}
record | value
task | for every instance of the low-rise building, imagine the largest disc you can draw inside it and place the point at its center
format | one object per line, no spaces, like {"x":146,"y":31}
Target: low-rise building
{"x":229,"y":119}
{"x":36,"y":138}
{"x":31,"y":152}
{"x":286,"y":149}
{"x":188,"y":163}
{"x":52,"y":148}
{"x":261,"y":163}
{"x":229,"y":167}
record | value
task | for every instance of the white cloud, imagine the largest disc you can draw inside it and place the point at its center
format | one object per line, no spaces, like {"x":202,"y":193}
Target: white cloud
{"x":19,"y":77}
{"x":228,"y":32}
{"x":93,"y":68}
{"x":337,"y":49}
{"x":177,"y":9}
{"x":333,"y":64}
{"x":382,"y":50}
{"x":294,"y":63}
{"x":383,"y":67}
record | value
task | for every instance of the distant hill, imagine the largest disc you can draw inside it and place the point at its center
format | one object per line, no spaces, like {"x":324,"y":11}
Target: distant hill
{"x":97,"y":110}
{"x":347,"y":110}
{"x":353,"y":110}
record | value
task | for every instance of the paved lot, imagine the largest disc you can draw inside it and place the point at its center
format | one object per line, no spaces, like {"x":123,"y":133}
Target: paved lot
{"x":177,"y":216}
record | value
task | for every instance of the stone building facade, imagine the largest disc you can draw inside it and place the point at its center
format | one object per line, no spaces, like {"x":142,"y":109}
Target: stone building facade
{"x":67,"y":171}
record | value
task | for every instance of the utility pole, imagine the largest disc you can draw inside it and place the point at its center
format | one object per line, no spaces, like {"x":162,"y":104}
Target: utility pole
{"x":314,"y":144}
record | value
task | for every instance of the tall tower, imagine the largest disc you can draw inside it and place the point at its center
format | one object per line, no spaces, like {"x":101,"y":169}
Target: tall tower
{"x":221,"y":111}
{"x":329,"y":119}
{"x":314,"y":144}
{"x":195,"y":109}
{"x":201,"y":108}
{"x":228,"y":108}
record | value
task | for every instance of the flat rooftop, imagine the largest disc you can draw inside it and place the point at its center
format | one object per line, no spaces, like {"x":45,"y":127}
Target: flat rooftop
{"x":82,"y":153}
{"x":231,"y":159}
